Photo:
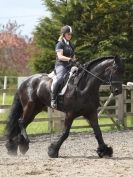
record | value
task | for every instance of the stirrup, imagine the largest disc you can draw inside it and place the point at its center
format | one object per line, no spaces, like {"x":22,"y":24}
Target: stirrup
{"x":53,"y":104}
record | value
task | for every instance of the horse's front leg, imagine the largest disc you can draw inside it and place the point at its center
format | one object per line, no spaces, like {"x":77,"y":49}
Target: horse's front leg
{"x":53,"y":149}
{"x":103,"y":149}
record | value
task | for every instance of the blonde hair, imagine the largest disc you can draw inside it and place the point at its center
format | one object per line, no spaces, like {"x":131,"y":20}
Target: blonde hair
{"x":60,"y":37}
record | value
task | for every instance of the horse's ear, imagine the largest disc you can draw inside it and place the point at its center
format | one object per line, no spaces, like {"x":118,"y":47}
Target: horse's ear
{"x":119,"y":63}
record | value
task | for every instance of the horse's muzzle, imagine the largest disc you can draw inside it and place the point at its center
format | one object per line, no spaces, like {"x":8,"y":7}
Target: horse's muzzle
{"x":116,"y":91}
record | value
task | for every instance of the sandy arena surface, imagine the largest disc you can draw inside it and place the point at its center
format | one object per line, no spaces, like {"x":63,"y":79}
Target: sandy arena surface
{"x":77,"y":158}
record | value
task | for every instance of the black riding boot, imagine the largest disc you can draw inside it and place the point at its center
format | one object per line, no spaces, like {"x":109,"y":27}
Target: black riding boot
{"x":53,"y":101}
{"x":54,"y":95}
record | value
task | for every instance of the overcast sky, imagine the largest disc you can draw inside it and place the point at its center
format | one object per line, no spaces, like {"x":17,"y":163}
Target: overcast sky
{"x":26,"y":12}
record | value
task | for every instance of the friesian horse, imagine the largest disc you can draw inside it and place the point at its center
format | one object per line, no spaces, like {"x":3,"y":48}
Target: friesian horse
{"x":80,"y":99}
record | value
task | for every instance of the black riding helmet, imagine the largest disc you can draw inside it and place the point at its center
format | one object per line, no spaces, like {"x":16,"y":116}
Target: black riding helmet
{"x":66,"y":29}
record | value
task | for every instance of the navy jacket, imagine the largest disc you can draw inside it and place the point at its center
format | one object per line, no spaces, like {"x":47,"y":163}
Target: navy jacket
{"x":68,"y":51}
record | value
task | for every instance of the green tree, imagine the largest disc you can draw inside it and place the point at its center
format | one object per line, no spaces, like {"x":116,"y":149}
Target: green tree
{"x":45,"y":38}
{"x":101,"y":28}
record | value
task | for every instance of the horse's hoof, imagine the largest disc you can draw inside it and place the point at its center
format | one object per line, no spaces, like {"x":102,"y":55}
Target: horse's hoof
{"x":23,"y":144}
{"x":23,"y":148}
{"x":52,"y":152}
{"x":12,"y":153}
{"x":11,"y":148}
{"x":105,"y":151}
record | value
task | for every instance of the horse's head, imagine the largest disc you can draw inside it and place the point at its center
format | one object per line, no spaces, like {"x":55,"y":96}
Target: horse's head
{"x":114,"y":73}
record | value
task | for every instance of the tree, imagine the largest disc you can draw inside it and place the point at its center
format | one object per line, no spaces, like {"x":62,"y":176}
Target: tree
{"x":14,"y":53}
{"x":45,"y":38}
{"x":101,"y":28}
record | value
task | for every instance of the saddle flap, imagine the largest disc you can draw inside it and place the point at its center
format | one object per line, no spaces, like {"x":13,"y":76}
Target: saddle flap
{"x":73,"y":70}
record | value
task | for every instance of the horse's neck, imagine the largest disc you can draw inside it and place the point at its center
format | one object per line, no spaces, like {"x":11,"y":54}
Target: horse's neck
{"x":92,"y":83}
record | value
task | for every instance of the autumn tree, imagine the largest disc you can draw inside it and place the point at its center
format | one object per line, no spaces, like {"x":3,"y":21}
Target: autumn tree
{"x":14,"y":50}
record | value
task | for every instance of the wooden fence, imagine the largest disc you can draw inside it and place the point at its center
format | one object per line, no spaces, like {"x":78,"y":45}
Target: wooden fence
{"x":114,"y":108}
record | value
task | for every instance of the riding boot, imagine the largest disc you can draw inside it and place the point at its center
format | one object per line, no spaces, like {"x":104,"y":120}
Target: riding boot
{"x":53,"y":100}
{"x":54,"y":94}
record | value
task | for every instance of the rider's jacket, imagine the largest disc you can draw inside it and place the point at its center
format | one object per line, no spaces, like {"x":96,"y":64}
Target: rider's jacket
{"x":68,"y":51}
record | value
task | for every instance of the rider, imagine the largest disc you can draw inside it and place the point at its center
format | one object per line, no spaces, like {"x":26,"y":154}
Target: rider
{"x":64,"y":55}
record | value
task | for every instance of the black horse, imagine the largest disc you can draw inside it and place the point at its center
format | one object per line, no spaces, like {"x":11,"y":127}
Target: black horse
{"x":80,"y":99}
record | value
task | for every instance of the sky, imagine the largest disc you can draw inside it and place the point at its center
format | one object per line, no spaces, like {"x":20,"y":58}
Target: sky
{"x":24,"y":12}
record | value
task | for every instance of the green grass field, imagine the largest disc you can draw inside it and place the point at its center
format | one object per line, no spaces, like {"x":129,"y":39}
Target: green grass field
{"x":42,"y":127}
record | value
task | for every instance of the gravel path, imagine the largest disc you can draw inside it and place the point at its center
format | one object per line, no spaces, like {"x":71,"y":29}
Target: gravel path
{"x":77,"y":158}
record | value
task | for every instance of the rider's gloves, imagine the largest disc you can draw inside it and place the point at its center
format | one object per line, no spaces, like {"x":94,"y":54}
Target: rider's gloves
{"x":73,"y":61}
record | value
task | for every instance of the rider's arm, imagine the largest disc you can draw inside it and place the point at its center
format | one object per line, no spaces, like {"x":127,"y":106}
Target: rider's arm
{"x":60,"y":55}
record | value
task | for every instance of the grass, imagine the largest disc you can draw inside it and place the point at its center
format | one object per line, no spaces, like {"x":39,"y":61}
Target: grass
{"x":8,"y":99}
{"x":42,"y":127}
{"x":129,"y":121}
{"x":102,"y":121}
{"x":38,"y":128}
{"x":33,"y":128}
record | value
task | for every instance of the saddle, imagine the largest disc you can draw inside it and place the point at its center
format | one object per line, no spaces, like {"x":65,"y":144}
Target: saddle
{"x":67,"y":78}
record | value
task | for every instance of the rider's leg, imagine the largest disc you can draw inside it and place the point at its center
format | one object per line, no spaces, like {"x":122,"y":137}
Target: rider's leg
{"x":54,"y":93}
{"x":61,"y":70}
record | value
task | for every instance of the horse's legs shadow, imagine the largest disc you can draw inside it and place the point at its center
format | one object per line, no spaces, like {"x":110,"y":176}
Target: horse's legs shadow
{"x":96,"y":157}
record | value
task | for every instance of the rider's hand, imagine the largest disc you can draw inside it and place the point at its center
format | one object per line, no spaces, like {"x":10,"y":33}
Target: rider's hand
{"x":73,"y":60}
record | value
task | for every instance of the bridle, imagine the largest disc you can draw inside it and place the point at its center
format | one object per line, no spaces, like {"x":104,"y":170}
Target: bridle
{"x":111,"y":82}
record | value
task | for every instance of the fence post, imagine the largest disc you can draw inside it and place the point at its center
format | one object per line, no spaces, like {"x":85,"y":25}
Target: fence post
{"x":56,"y":117}
{"x":120,"y":108}
{"x":131,"y":105}
{"x":57,"y":120}
{"x":4,"y":87}
{"x":50,"y":121}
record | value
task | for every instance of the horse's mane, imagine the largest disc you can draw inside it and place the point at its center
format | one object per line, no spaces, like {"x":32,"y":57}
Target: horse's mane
{"x":97,"y":60}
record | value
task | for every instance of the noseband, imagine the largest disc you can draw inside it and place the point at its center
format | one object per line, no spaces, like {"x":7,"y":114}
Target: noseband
{"x":111,"y":82}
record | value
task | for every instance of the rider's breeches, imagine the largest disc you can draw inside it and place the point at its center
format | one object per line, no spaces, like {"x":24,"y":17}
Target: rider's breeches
{"x":60,"y":72}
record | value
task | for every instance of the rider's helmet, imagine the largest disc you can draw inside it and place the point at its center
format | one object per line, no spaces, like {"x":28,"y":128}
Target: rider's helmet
{"x":66,"y":29}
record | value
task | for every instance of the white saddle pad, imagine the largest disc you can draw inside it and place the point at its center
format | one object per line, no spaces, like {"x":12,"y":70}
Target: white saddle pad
{"x":53,"y":76}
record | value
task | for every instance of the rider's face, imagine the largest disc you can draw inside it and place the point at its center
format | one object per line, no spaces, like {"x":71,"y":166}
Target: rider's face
{"x":68,"y":36}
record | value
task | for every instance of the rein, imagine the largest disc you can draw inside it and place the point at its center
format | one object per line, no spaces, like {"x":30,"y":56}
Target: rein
{"x":110,"y":82}
{"x":93,"y":74}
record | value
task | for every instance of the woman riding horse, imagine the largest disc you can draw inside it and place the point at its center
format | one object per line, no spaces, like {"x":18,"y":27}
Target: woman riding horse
{"x":65,"y":53}
{"x":80,"y":99}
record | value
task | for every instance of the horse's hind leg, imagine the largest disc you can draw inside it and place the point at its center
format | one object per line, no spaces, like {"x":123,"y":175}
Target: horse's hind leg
{"x":53,"y":149}
{"x":12,"y":140}
{"x":28,"y":116}
{"x":103,"y":149}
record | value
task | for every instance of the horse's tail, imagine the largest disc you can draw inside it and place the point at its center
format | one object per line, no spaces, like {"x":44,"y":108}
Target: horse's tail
{"x":16,"y":111}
